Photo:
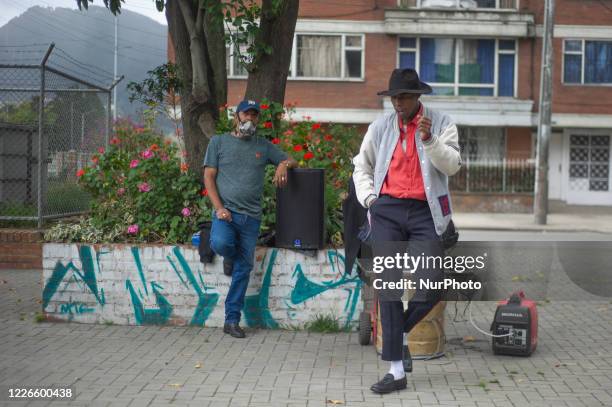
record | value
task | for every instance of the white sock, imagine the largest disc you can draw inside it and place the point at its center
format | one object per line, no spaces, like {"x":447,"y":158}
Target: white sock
{"x":397,"y":369}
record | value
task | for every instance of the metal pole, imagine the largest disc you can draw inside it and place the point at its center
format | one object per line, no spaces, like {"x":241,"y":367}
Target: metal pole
{"x":540,"y":202}
{"x":108,"y":119}
{"x":82,"y":139}
{"x":110,"y":90}
{"x":41,"y":117}
{"x":115,"y":72}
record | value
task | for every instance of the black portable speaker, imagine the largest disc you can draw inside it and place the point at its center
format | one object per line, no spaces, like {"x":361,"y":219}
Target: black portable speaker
{"x":300,"y":208}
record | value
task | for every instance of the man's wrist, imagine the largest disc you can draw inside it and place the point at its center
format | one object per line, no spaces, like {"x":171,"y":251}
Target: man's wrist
{"x":369,"y":200}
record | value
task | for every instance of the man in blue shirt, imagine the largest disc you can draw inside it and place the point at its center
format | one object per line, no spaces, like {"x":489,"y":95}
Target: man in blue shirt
{"x":234,"y":169}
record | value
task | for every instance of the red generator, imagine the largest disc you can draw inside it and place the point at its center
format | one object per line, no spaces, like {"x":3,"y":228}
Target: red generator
{"x":515,"y":326}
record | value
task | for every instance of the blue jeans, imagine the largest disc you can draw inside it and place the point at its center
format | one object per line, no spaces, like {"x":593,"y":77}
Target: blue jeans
{"x":236,"y":241}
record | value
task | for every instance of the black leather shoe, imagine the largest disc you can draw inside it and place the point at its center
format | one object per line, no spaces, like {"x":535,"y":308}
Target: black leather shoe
{"x":234,"y":330}
{"x":388,"y":384}
{"x":407,"y":361}
{"x":228,"y":266}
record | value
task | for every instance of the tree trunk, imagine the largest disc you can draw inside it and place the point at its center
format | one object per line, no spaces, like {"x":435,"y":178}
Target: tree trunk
{"x":269,"y":78}
{"x":204,"y":83}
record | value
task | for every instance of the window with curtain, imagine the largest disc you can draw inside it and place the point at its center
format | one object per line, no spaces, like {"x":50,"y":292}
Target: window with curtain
{"x":319,"y":56}
{"x":328,"y":56}
{"x":461,"y":67}
{"x":587,"y":62}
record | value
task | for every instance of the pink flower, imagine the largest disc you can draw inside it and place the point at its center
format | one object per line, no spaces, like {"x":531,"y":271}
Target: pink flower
{"x":121,"y":191}
{"x":186,"y":212}
{"x":146,"y":154}
{"x":101,"y":150}
{"x":132,"y":229}
{"x":134,"y":164}
{"x":164,"y":157}
{"x":144,"y":187}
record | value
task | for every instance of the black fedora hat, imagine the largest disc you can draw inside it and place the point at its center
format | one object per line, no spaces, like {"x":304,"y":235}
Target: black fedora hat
{"x":405,"y":81}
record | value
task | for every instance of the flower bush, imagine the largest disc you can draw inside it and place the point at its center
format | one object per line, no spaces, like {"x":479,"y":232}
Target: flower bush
{"x":312,"y":145}
{"x":141,"y":192}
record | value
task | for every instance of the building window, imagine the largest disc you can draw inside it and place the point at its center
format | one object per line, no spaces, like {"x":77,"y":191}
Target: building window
{"x":587,"y":62}
{"x":314,"y":57}
{"x":482,"y":143}
{"x":462,"y":67}
{"x":236,"y":68}
{"x":461,"y":4}
{"x":335,"y":57}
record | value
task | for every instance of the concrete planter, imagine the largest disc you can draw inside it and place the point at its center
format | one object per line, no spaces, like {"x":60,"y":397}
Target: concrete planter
{"x":167,"y":285}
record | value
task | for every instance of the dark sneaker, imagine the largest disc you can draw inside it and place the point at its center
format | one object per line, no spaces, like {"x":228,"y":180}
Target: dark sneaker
{"x":228,"y":266}
{"x":388,"y":384}
{"x":234,"y":330}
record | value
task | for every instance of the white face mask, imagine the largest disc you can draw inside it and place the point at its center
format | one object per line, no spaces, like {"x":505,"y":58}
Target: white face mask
{"x":246,"y":129}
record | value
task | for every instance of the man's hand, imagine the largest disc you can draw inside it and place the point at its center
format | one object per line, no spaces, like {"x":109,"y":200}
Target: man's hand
{"x":280,"y":177}
{"x":424,"y":127}
{"x":224,"y":214}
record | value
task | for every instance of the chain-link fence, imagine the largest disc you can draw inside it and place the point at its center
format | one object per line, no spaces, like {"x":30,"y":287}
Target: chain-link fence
{"x":55,"y":113}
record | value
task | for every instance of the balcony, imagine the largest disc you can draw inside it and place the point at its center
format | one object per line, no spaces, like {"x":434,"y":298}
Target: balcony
{"x":461,"y":18}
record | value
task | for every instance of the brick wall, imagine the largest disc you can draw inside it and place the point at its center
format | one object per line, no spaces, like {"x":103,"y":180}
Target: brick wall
{"x":168,"y":285}
{"x":20,"y":249}
{"x":510,"y":203}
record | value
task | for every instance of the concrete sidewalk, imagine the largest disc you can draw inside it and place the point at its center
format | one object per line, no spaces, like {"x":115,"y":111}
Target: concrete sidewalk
{"x":192,"y":366}
{"x":561,"y":218}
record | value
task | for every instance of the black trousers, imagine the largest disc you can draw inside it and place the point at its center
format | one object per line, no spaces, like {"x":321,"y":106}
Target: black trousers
{"x":409,"y":223}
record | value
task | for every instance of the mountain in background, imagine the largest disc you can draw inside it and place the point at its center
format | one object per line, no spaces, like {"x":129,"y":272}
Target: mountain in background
{"x":88,"y":38}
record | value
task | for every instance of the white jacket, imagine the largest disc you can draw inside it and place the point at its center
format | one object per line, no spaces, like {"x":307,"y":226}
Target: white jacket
{"x":439,"y":158}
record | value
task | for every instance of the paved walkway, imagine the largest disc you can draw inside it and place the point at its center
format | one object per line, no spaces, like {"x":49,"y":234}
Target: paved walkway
{"x":562,"y":217}
{"x":160,"y":366}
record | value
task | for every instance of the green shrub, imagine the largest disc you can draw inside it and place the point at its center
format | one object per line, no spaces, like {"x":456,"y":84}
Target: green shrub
{"x":141,"y":192}
{"x":324,"y":324}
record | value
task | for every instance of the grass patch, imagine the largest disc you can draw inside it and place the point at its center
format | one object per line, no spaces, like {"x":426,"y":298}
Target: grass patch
{"x":108,"y":323}
{"x":495,"y":381}
{"x":39,"y":317}
{"x":324,"y":324}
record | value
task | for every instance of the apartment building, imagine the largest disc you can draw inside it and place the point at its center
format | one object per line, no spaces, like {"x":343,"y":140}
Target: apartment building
{"x":482,"y":58}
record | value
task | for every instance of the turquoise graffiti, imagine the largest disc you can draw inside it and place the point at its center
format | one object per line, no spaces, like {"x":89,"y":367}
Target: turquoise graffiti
{"x":256,"y":310}
{"x":72,"y":308}
{"x":152,"y":304}
{"x":150,"y":316}
{"x":206,"y":301}
{"x":142,"y":315}
{"x":160,"y":315}
{"x":306,"y":289}
{"x":86,"y":277}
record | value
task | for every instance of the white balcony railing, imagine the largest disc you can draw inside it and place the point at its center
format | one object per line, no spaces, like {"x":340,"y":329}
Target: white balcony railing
{"x":461,"y":4}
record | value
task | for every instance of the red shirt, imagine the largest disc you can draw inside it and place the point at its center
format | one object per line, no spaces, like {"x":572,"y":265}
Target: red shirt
{"x":404,"y":179}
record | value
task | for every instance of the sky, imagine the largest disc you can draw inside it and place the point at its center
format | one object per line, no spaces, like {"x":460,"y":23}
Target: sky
{"x":13,"y":8}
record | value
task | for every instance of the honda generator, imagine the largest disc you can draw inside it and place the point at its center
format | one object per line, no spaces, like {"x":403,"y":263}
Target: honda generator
{"x":515,"y":326}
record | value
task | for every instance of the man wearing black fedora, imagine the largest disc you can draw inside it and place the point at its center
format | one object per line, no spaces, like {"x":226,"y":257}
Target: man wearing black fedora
{"x":401,"y":176}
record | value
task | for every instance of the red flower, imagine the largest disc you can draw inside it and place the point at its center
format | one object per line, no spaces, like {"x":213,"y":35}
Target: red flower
{"x":316,"y":126}
{"x":101,"y":150}
{"x":115,"y":140}
{"x":80,"y":173}
{"x":330,"y":155}
{"x":276,"y":140}
{"x":297,"y":148}
{"x":184,"y":167}
{"x":268,"y":125}
{"x":309,"y":155}
{"x":264,"y":107}
{"x":204,"y":192}
{"x":94,"y":159}
{"x":328,"y":137}
{"x":288,"y":133}
{"x":154,"y":147}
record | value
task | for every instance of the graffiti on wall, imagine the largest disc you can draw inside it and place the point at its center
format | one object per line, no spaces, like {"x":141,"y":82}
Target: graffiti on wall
{"x":257,"y":312}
